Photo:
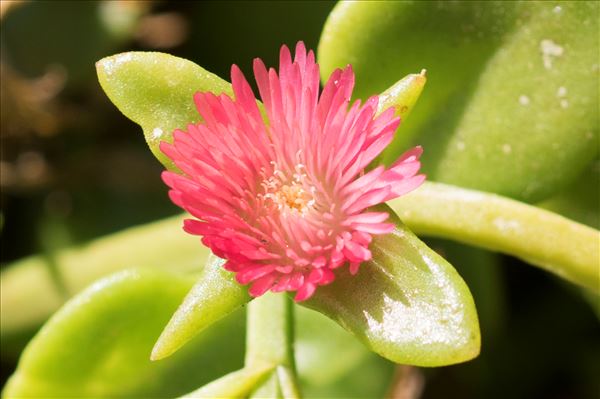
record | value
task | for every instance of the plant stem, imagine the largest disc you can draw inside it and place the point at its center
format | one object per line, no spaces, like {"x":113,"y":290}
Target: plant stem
{"x":408,"y":382}
{"x":270,"y":331}
{"x":545,"y":239}
{"x":269,"y":340}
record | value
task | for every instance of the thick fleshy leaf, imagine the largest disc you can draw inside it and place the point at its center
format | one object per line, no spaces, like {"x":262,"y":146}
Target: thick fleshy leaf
{"x":102,"y":339}
{"x":268,"y":389}
{"x":214,"y":295}
{"x":35,"y":287}
{"x":332,"y":363}
{"x":403,"y":95}
{"x":407,"y":304}
{"x":324,"y":350}
{"x":580,"y":201}
{"x":156,"y":90}
{"x":233,"y":385}
{"x":386,"y":40}
{"x":485,"y":278}
{"x":512,"y":105}
{"x":545,"y":239}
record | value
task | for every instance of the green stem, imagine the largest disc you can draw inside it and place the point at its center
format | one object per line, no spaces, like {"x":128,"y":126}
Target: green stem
{"x":269,"y":341}
{"x":270,"y":331}
{"x":545,"y":239}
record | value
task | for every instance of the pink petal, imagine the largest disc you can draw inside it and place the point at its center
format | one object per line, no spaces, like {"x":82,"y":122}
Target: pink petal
{"x":262,"y":285}
{"x":356,"y":252}
{"x":305,"y":292}
{"x":354,"y":268}
{"x":374,"y":228}
{"x":252,"y":273}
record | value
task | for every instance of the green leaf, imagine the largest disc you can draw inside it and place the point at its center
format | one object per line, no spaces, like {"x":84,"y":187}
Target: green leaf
{"x":324,"y":351}
{"x":332,"y":363}
{"x":233,"y":385}
{"x":545,"y":239}
{"x":580,"y":200}
{"x":156,"y":91}
{"x":386,"y":40}
{"x":407,"y":304}
{"x":403,"y":95}
{"x":512,"y":105}
{"x":99,"y":343}
{"x":483,"y":274}
{"x":50,"y":281}
{"x":214,"y":295}
{"x":268,"y":389}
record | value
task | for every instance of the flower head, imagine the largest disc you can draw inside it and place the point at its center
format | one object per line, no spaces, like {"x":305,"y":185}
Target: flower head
{"x":285,"y":202}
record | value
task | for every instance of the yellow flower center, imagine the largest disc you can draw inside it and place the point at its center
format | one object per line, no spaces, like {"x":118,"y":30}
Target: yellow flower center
{"x":294,"y":195}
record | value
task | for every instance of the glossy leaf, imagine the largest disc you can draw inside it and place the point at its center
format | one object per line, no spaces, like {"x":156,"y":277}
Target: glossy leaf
{"x":545,"y":239}
{"x":156,"y":91}
{"x":539,"y":129}
{"x":386,"y":40}
{"x":408,"y":304}
{"x":214,"y":295}
{"x":31,"y":292}
{"x":403,"y":95}
{"x":102,"y":340}
{"x":483,"y":274}
{"x":512,"y":105}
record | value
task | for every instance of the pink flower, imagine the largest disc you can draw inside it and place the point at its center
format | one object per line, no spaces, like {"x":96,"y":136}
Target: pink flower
{"x":285,"y":202}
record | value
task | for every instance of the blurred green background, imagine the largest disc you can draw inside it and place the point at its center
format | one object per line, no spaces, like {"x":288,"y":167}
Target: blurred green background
{"x":73,"y":168}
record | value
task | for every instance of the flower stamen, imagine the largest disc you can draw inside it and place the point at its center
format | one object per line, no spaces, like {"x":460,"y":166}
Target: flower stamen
{"x":296,"y":196}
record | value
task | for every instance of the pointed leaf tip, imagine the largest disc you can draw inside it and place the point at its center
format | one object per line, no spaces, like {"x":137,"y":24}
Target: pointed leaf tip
{"x":155,"y":90}
{"x":214,"y":296}
{"x":403,"y":95}
{"x":407,"y":304}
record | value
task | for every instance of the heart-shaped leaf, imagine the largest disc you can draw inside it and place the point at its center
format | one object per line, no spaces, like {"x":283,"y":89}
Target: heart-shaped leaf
{"x":99,"y":344}
{"x":156,"y":91}
{"x":512,"y":104}
{"x":31,"y":293}
{"x":407,"y":304}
